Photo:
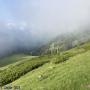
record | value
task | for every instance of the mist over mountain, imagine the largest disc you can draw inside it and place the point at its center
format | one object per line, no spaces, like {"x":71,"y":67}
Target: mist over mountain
{"x":63,"y":42}
{"x":25,"y":25}
{"x":18,"y":41}
{"x":45,"y":44}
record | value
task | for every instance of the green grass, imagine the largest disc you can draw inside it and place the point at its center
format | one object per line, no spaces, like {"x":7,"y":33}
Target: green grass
{"x":16,"y":70}
{"x":73,"y":74}
{"x":57,"y":65}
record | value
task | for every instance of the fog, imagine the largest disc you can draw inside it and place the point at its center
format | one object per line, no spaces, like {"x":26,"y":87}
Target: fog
{"x":29,"y":23}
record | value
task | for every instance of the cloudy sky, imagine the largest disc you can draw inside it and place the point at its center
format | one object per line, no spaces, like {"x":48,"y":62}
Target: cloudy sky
{"x":23,"y":21}
{"x":44,"y":16}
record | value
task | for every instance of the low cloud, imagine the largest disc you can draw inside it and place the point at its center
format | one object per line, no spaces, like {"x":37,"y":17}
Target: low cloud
{"x":28,"y":23}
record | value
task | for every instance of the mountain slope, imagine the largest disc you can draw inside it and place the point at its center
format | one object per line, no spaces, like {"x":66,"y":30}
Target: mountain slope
{"x":14,"y":71}
{"x":73,"y":74}
{"x":64,"y":42}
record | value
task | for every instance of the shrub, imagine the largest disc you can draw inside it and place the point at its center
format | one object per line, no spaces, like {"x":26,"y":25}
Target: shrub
{"x":13,"y":72}
{"x":60,"y":59}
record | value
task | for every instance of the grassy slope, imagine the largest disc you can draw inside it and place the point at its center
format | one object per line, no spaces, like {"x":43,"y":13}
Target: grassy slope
{"x":73,"y":74}
{"x":12,"y":59}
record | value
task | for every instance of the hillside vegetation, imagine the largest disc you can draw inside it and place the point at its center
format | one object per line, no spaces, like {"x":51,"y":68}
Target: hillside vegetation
{"x":15,"y":71}
{"x":71,"y":75}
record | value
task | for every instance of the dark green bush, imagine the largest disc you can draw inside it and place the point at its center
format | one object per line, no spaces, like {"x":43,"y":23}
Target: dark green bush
{"x":60,"y":59}
{"x":68,"y":54}
{"x":13,"y":72}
